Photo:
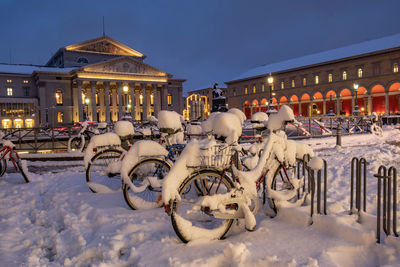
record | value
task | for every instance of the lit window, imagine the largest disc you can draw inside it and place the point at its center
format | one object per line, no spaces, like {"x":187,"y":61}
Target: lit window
{"x":18,"y":123}
{"x":360,"y":72}
{"x":26,"y":81}
{"x":9,"y":81}
{"x":97,"y":99}
{"x":330,"y":77}
{"x":344,"y":75}
{"x":6,"y":123}
{"x":83,"y":98}
{"x":59,"y":97}
{"x":395,"y":67}
{"x":282,"y":85}
{"x":254,"y":89}
{"x":316,"y":79}
{"x":293,"y":83}
{"x":141,"y":99}
{"x":151,"y":99}
{"x":29,"y":123}
{"x":9,"y":91}
{"x":60,"y":117}
{"x":170,"y":99}
{"x":262,"y":88}
{"x":245,"y":91}
{"x":304,"y":81}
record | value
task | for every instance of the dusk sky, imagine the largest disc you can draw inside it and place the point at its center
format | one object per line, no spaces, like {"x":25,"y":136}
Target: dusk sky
{"x":201,"y":41}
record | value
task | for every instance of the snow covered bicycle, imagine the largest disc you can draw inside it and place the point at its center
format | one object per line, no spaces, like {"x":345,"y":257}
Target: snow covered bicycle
{"x":78,"y":142}
{"x":7,"y":152}
{"x":213,"y":194}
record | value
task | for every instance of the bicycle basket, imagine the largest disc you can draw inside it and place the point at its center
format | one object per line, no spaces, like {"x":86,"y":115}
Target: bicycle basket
{"x":217,"y":156}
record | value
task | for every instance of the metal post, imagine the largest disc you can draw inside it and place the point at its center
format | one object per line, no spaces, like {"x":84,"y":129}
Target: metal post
{"x":325,"y":185}
{"x":339,"y":133}
{"x":392,"y":172}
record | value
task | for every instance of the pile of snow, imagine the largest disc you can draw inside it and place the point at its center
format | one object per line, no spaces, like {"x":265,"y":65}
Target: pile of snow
{"x":102,"y":125}
{"x":259,"y":119}
{"x":100,"y":141}
{"x":169,"y":120}
{"x":316,"y":163}
{"x":124,"y":128}
{"x":170,"y":125}
{"x":140,"y":150}
{"x":192,"y":129}
{"x":227,"y":125}
{"x":276,"y":121}
{"x":238,"y":113}
{"x":207,"y":125}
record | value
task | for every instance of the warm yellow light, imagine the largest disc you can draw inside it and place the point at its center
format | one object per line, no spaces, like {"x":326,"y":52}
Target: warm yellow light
{"x":125,"y":88}
{"x":129,"y":106}
{"x":105,"y":76}
{"x":355,"y":86}
{"x":270,"y":79}
{"x":318,"y":112}
{"x":362,"y":109}
{"x":87,"y":100}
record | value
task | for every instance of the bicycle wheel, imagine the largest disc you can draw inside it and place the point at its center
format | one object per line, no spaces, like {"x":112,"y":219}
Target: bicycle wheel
{"x":103,"y":171}
{"x":191,"y":223}
{"x":282,"y":188}
{"x":3,"y":166}
{"x":151,"y":172}
{"x":23,"y":169}
{"x":76,"y":143}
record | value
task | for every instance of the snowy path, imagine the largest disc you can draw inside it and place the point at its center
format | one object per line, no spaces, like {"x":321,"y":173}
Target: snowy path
{"x":56,"y":221}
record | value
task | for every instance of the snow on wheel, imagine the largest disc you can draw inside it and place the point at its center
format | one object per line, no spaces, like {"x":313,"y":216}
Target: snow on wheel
{"x":190,"y":222}
{"x":76,"y":143}
{"x":147,"y":177}
{"x":103,"y":171}
{"x":376,"y":130}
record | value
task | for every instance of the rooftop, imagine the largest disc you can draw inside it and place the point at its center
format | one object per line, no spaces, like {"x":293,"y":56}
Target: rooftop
{"x":29,"y":69}
{"x":366,"y":47}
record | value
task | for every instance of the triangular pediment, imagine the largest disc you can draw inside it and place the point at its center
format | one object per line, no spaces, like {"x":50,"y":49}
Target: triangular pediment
{"x":125,"y":65}
{"x":104,"y":45}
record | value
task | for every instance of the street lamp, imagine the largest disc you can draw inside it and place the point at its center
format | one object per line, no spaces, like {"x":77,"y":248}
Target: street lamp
{"x":271,"y":104}
{"x":87,"y":101}
{"x":356,"y":111}
{"x":125,"y":88}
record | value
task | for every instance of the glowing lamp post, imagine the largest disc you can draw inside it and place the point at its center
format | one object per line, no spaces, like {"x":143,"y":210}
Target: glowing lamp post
{"x":356,"y":111}
{"x":271,"y":104}
{"x":125,"y":88}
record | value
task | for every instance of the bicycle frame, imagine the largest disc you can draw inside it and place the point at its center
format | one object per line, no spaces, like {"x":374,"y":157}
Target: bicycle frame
{"x":8,"y":150}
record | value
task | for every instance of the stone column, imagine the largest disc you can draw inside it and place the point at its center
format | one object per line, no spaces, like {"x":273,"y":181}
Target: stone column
{"x":107,"y":100}
{"x":93,"y":100}
{"x":155,"y":100}
{"x":310,"y":108}
{"x":300,"y":108}
{"x":119,"y":86}
{"x":164,"y":97}
{"x":144,"y":101}
{"x":369,"y":105}
{"x":324,"y":106}
{"x":386,"y":103}
{"x":80,"y":105}
{"x":352,"y":102}
{"x":137,"y":105}
{"x":133,"y":106}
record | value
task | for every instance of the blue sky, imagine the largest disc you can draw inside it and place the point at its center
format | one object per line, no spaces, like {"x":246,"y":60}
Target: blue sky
{"x":201,"y":41}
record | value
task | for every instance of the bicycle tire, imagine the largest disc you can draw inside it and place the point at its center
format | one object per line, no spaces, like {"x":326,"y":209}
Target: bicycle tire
{"x":190,"y":194}
{"x":21,"y":169}
{"x":99,"y":176}
{"x":149,"y":197}
{"x":279,"y":184}
{"x":3,"y":166}
{"x":76,"y":144}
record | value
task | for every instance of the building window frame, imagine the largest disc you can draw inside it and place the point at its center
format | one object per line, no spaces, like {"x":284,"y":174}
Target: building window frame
{"x":245,"y":90}
{"x":59,"y":97}
{"x":395,"y":67}
{"x":282,"y":84}
{"x":316,"y":79}
{"x":254,"y":89}
{"x":304,"y":81}
{"x":344,"y":75}
{"x":10,"y":91}
{"x":169,"y":99}
{"x":360,"y":72}
{"x":60,"y":117}
{"x":330,"y":77}
{"x":293,"y":83}
{"x":9,"y":81}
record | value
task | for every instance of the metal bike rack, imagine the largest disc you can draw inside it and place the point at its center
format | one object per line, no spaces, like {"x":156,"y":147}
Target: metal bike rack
{"x":386,"y":176}
{"x":358,"y":170}
{"x":302,"y":168}
{"x":311,"y":175}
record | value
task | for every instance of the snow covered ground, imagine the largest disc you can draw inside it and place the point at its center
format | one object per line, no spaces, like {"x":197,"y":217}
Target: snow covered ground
{"x":55,"y":220}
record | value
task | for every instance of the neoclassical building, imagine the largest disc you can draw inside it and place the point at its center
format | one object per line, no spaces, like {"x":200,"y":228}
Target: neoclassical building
{"x":101,"y":79}
{"x":325,"y":82}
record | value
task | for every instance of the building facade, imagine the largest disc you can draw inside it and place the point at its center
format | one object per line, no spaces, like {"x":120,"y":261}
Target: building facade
{"x":364,"y":75}
{"x":100,"y":79}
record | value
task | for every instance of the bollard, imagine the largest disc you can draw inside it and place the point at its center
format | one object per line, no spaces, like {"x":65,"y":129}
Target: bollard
{"x":339,"y":134}
{"x":313,"y":184}
{"x":386,"y":176}
{"x":357,"y":165}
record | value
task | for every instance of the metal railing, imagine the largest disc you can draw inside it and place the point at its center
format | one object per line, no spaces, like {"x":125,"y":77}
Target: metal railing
{"x":358,"y":171}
